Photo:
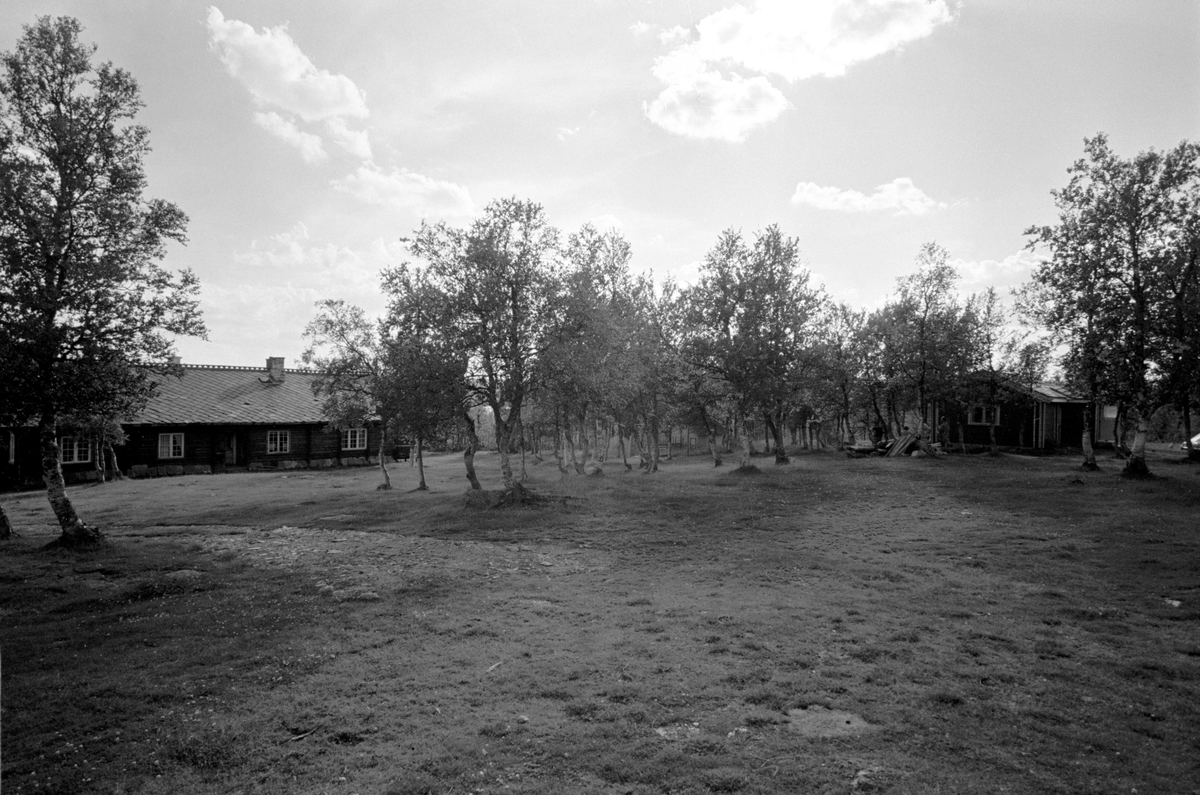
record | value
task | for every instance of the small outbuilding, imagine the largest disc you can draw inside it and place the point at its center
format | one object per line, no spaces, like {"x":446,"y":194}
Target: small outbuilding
{"x":1041,"y":416}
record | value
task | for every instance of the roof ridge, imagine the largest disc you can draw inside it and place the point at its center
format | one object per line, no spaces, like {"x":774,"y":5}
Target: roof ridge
{"x":245,"y":368}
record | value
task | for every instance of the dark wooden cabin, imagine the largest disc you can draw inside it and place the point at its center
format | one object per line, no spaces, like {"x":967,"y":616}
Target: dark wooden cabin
{"x":209,"y":418}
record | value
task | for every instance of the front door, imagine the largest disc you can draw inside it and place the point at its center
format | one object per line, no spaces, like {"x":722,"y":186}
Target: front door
{"x":234,"y":448}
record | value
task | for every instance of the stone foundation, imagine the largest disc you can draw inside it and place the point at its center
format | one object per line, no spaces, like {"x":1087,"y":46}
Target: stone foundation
{"x":168,"y":471}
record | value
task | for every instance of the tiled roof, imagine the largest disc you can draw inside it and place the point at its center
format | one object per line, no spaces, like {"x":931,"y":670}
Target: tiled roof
{"x":213,"y":394}
{"x":1056,"y":393}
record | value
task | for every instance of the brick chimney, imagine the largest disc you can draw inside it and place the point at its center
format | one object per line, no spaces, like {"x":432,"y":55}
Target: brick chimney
{"x":275,"y":369}
{"x":175,"y":361}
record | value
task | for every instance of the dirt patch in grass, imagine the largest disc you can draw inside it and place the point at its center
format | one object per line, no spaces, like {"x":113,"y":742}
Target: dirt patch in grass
{"x":983,"y":623}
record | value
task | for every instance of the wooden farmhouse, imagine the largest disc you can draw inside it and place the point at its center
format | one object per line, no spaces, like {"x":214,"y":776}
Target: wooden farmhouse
{"x":210,"y":418}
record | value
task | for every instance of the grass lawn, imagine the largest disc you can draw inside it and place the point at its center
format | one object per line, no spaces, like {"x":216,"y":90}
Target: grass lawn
{"x":959,"y":625}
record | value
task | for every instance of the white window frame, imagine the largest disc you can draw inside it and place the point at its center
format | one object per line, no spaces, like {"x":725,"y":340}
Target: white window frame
{"x":80,"y":450}
{"x":354,"y":439}
{"x":170,"y":445}
{"x":984,"y":412}
{"x":279,"y":442}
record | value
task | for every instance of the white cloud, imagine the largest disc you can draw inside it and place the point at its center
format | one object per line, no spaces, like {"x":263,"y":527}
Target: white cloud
{"x":607,"y":221}
{"x":566,"y":132}
{"x":675,"y":36}
{"x":900,"y":195}
{"x":252,"y":320}
{"x":817,"y":37}
{"x":640,"y":28}
{"x":1012,"y":271}
{"x":295,"y":260}
{"x":297,"y":255}
{"x":279,"y":76}
{"x":783,"y":38}
{"x":353,"y":141}
{"x":276,"y":72}
{"x":309,"y":145}
{"x":702,"y":103}
{"x":403,"y":190}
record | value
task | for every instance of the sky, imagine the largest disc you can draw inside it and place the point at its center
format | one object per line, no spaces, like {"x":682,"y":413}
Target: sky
{"x":304,"y":140}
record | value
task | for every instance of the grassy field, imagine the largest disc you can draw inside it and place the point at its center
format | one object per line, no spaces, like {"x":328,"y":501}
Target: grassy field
{"x":959,"y":625}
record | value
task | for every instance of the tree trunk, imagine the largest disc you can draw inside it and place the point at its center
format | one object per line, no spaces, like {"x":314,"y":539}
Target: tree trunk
{"x":712,"y":448}
{"x":469,"y":452}
{"x":621,"y":446}
{"x":113,"y":467}
{"x":635,"y":446}
{"x":421,"y":466}
{"x":6,"y":528}
{"x":776,"y":429}
{"x":560,"y":445}
{"x":604,"y":451}
{"x":712,"y":438}
{"x":98,"y":460}
{"x":1135,"y":465}
{"x":745,"y":459}
{"x":74,"y":532}
{"x":503,"y":441}
{"x":992,"y":438}
{"x":386,"y":485}
{"x":520,"y":435}
{"x":1089,"y":452}
{"x":581,"y":467}
{"x":653,"y":447}
{"x":569,"y":450}
{"x":1192,"y":452}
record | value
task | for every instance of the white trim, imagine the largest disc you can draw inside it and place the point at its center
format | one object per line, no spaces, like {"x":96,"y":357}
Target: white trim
{"x":354,"y":439}
{"x":987,"y":415}
{"x":80,"y":450}
{"x":170,"y":445}
{"x":278,"y":442}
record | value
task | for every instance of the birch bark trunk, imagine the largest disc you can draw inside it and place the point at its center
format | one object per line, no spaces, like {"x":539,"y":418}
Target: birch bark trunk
{"x":6,"y":528}
{"x":1135,"y":465}
{"x":745,"y":460}
{"x":387,"y":479}
{"x":1089,"y":451}
{"x":74,"y":532}
{"x":469,"y":452}
{"x":421,"y":466}
{"x":113,"y":466}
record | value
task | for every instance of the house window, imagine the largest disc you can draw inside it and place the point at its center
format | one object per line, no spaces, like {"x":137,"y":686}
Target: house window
{"x":354,"y":439}
{"x":75,"y":450}
{"x":170,"y":445}
{"x":278,"y":441}
{"x":983,"y":415}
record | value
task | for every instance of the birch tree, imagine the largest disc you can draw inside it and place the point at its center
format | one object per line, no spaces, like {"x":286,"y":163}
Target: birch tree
{"x":500,"y":277}
{"x":85,"y":306}
{"x":426,"y":371}
{"x":755,"y":319}
{"x":1127,"y":225}
{"x":356,"y":383}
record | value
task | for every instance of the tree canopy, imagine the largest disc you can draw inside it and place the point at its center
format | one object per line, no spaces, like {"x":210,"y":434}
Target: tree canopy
{"x":86,"y":310}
